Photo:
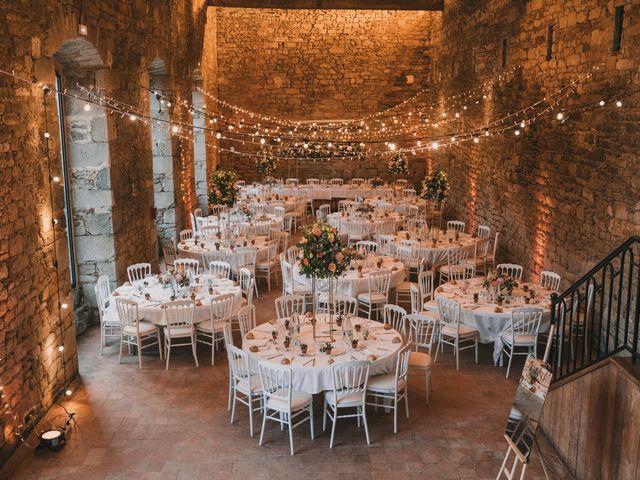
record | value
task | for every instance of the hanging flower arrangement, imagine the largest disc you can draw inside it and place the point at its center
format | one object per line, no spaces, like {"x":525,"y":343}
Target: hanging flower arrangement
{"x":398,"y":164}
{"x":322,"y":255}
{"x":323,"y":150}
{"x":436,"y":186}
{"x":266,"y":162}
{"x":223,"y":188}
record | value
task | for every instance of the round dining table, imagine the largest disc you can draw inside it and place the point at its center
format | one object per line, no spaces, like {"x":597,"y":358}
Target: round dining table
{"x":432,"y":252}
{"x":151,"y":295}
{"x":366,"y":224}
{"x":311,"y":369}
{"x":354,"y":281}
{"x":489,"y":318}
{"x":219,"y":249}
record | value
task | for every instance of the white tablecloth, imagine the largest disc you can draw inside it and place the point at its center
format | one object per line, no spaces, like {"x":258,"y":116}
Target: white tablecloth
{"x":352,"y":283}
{"x":483,"y":315}
{"x":318,"y":192}
{"x":361,"y":224}
{"x":188,"y":249}
{"x":315,"y":376}
{"x":152,"y":311}
{"x":437,"y":255}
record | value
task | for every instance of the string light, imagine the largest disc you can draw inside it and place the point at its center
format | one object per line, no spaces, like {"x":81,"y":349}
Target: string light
{"x":133,"y":117}
{"x":601,"y":103}
{"x":560,"y":116}
{"x":618,"y":103}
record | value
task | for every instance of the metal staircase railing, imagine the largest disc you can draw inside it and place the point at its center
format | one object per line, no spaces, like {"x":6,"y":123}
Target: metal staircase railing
{"x":598,"y":316}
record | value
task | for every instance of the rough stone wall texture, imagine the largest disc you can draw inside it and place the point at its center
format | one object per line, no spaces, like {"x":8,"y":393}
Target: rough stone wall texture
{"x":561,"y":195}
{"x":320,"y":64}
{"x":127,"y":37}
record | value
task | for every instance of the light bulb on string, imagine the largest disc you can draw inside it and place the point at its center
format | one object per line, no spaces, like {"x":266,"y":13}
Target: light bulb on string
{"x":218,"y":135}
{"x":86,"y":107}
{"x":133,"y":117}
{"x":601,"y":103}
{"x":47,"y":135}
{"x":435,"y":145}
{"x":516,"y":132}
{"x":64,"y":306}
{"x":262,"y":141}
{"x":68,"y":392}
{"x":618,"y":103}
{"x":175,"y":128}
{"x":560,"y":116}
{"x":61,"y":348}
{"x":55,"y":179}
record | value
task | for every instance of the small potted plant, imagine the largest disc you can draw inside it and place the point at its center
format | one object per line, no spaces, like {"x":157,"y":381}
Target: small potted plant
{"x":303,"y":348}
{"x":476,"y":297}
{"x":287,"y":341}
{"x":500,"y":299}
{"x":339,"y":321}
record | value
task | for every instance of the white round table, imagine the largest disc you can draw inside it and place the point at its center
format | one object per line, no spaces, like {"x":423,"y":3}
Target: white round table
{"x":365,"y":224}
{"x":352,"y":283}
{"x":189,"y":249}
{"x":489,"y":318}
{"x":437,"y":255}
{"x":151,"y":310}
{"x":312,"y":371}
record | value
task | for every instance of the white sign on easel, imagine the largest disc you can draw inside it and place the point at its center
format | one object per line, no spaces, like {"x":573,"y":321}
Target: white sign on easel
{"x":525,"y":414}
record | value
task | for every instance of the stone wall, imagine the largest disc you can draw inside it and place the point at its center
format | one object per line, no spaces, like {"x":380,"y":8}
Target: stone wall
{"x":126,"y":36}
{"x":320,"y":64}
{"x":562,"y":194}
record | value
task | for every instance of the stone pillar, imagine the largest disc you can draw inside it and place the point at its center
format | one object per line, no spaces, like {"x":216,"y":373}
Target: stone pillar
{"x":200,"y":153}
{"x":92,"y":197}
{"x":162,"y":151}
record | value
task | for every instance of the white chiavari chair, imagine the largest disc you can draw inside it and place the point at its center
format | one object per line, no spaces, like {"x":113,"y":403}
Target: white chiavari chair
{"x":550,"y":280}
{"x":209,"y":231}
{"x":293,"y":254}
{"x":179,"y":330}
{"x":138,"y":271}
{"x":291,"y":181}
{"x":261,"y":227}
{"x":246,"y":387}
{"x":209,"y":332}
{"x":247,"y":282}
{"x":426,"y":284}
{"x":281,"y":403}
{"x":268,"y":268}
{"x":109,"y":321}
{"x":409,"y":192}
{"x":367,"y":246}
{"x":186,"y":265}
{"x":491,"y":257}
{"x":391,"y":388}
{"x":456,"y":225}
{"x":456,"y":261}
{"x":247,"y":319}
{"x":344,"y":305}
{"x":386,"y":245}
{"x":511,"y":269}
{"x":246,"y":258}
{"x":220,"y":269}
{"x":286,"y":305}
{"x":484,"y":231}
{"x":409,"y":257}
{"x":522,"y":333}
{"x":323,"y":211}
{"x":279,"y":211}
{"x":377,"y":295}
{"x":394,"y":316}
{"x":135,"y":331}
{"x":453,"y":332}
{"x":349,"y":392}
{"x":336,"y":182}
{"x":169,"y":254}
{"x":186,"y":235}
{"x":422,"y":334}
{"x":357,"y":181}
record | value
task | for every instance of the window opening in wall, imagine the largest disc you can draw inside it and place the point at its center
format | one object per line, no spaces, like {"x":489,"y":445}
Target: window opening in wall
{"x":617,"y":28}
{"x":504,"y":53}
{"x":549,"y":42}
{"x":68,"y":215}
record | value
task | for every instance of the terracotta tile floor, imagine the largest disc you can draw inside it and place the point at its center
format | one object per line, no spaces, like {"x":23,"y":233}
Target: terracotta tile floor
{"x":157,"y":424}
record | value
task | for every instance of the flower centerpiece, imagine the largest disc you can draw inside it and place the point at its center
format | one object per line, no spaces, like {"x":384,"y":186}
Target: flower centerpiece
{"x":224,"y":190}
{"x":266,"y":163}
{"x":398,"y":164}
{"x":377,"y":181}
{"x":176,"y":280}
{"x":435,"y":187}
{"x":499,"y":282}
{"x":323,"y":256}
{"x":365,"y":208}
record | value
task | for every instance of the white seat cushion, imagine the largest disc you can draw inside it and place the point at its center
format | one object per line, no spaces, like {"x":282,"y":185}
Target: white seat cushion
{"x":344,"y":399}
{"x":206,"y":326}
{"x":384,"y":383}
{"x":145,"y":328}
{"x":244,"y":384}
{"x":178,"y":332}
{"x":405,"y":286}
{"x":519,"y":339}
{"x":420,"y":360}
{"x":299,"y":400}
{"x":111,"y":318}
{"x":462,"y":331}
{"x":431,"y":314}
{"x":431,"y":305}
{"x":372,"y":297}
